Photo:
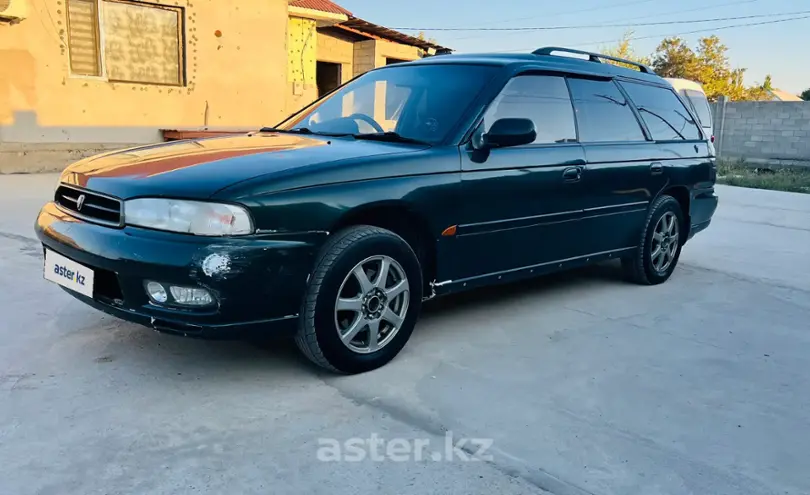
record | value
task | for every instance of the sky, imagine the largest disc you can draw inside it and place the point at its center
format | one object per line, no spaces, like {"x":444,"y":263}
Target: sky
{"x":780,"y":49}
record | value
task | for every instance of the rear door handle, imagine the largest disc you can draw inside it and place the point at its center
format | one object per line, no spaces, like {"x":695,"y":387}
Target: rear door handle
{"x":657,"y":168}
{"x":572,"y":174}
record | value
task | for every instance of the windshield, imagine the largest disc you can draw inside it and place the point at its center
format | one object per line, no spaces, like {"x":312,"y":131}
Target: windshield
{"x":421,"y":103}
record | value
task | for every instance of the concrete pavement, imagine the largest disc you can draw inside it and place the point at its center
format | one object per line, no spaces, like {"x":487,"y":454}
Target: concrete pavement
{"x":583,"y":383}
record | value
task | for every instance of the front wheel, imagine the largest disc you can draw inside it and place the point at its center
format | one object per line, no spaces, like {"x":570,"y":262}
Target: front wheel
{"x":362,"y":301}
{"x":660,"y":246}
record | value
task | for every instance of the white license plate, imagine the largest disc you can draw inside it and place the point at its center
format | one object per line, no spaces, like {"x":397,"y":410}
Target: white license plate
{"x":68,"y":273}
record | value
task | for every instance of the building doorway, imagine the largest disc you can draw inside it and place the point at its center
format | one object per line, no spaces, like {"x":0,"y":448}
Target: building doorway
{"x":327,"y":77}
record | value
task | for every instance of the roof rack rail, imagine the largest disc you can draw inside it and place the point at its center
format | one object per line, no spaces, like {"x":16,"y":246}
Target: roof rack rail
{"x":593,"y":57}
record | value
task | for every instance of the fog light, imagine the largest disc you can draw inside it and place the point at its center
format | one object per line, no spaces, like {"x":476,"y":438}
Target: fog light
{"x":191,"y":296}
{"x":156,"y":292}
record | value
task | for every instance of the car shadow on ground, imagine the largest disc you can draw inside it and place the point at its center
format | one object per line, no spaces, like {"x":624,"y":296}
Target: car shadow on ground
{"x":496,"y":295}
{"x":277,"y":355}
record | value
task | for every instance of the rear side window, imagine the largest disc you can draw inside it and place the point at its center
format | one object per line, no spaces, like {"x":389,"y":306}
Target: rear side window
{"x":544,"y":100}
{"x":663,"y":112}
{"x":701,"y":105}
{"x":603,"y":113}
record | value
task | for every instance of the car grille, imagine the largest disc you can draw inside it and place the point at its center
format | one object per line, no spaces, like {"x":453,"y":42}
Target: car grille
{"x":88,"y":205}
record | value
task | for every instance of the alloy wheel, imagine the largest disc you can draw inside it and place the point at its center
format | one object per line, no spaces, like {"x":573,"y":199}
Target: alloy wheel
{"x":664,"y":242}
{"x":372,"y":304}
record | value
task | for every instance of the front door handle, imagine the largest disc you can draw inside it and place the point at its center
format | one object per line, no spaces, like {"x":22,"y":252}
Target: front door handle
{"x":572,"y":174}
{"x":656,"y":168}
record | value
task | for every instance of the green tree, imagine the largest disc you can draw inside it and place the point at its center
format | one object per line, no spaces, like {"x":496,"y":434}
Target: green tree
{"x":674,"y":58}
{"x":762,"y":91}
{"x":708,"y":65}
{"x":806,"y":95}
{"x":624,"y":49}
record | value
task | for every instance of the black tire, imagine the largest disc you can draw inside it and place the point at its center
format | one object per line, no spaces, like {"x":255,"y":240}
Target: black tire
{"x":317,"y":336}
{"x":639,"y":267}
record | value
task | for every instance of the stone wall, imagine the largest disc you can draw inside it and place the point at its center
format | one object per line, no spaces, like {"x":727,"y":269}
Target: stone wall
{"x":763,"y":132}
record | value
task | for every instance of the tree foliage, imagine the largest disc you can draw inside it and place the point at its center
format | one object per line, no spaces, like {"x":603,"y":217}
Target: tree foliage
{"x":423,"y":37}
{"x":806,"y":95}
{"x":708,"y":64}
{"x":624,"y":49}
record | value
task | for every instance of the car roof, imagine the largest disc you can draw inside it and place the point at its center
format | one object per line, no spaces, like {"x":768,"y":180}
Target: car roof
{"x":530,"y":61}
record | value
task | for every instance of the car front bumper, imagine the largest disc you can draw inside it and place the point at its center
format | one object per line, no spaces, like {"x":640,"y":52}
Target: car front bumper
{"x":258,"y":283}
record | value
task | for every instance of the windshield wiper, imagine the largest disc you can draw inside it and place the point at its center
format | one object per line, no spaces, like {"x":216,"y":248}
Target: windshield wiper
{"x":305,"y":130}
{"x":299,"y":130}
{"x":389,"y":137}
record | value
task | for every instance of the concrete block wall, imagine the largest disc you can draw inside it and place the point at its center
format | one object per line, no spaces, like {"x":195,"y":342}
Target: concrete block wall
{"x":365,"y":56}
{"x":763,"y":132}
{"x":387,"y":49}
{"x":332,"y":48}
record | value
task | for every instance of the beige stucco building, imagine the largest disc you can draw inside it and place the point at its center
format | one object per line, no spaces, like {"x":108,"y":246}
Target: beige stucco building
{"x":77,"y":76}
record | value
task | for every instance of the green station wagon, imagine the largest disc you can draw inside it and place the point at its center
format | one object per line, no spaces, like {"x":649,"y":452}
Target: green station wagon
{"x":411,"y":181}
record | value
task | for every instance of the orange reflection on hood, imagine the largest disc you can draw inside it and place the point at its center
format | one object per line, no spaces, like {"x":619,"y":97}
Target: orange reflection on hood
{"x":154,"y":160}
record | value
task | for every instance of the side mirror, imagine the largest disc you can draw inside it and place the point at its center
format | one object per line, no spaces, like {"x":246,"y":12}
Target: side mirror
{"x":510,"y":132}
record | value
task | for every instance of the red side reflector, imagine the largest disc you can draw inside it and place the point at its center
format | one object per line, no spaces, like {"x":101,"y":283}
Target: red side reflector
{"x":712,"y":138}
{"x":450,"y":231}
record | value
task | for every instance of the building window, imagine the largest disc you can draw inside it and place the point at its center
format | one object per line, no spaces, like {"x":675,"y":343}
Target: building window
{"x":125,"y":41}
{"x":83,"y":37}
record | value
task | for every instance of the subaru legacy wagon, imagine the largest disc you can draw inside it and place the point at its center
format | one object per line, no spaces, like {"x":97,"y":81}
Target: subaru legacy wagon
{"x":409,"y":182}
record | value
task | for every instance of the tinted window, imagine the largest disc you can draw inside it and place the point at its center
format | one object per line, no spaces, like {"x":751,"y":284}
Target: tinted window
{"x":544,"y":100}
{"x":603,"y":112}
{"x":663,"y":112}
{"x":701,"y":105}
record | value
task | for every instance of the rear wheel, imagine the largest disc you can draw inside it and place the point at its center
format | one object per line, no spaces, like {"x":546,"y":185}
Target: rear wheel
{"x":362,"y":301}
{"x":660,"y":246}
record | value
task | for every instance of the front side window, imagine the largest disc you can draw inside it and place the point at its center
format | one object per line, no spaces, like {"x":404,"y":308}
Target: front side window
{"x":603,"y":112}
{"x":418,"y":102}
{"x":126,"y":41}
{"x":663,"y":112}
{"x":542,"y":99}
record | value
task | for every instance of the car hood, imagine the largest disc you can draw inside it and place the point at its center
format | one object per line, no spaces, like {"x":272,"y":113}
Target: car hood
{"x":200,"y":168}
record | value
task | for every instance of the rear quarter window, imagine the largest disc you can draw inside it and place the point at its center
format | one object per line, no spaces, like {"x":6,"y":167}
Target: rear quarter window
{"x":664,"y":113}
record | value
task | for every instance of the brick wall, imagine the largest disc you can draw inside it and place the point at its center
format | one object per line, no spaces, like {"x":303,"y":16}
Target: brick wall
{"x":763,"y":132}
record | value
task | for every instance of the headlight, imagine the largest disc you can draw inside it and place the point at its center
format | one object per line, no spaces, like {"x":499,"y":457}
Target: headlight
{"x":188,"y":217}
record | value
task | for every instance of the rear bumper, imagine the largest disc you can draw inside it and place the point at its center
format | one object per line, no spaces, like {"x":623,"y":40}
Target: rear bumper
{"x":695,"y":228}
{"x":259,"y":288}
{"x":703,"y":204}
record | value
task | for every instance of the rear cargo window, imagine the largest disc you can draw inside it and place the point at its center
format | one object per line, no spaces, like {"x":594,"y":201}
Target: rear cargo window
{"x":664,"y":113}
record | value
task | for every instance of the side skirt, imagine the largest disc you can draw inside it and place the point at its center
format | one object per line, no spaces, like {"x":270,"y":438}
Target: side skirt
{"x":515,"y":274}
